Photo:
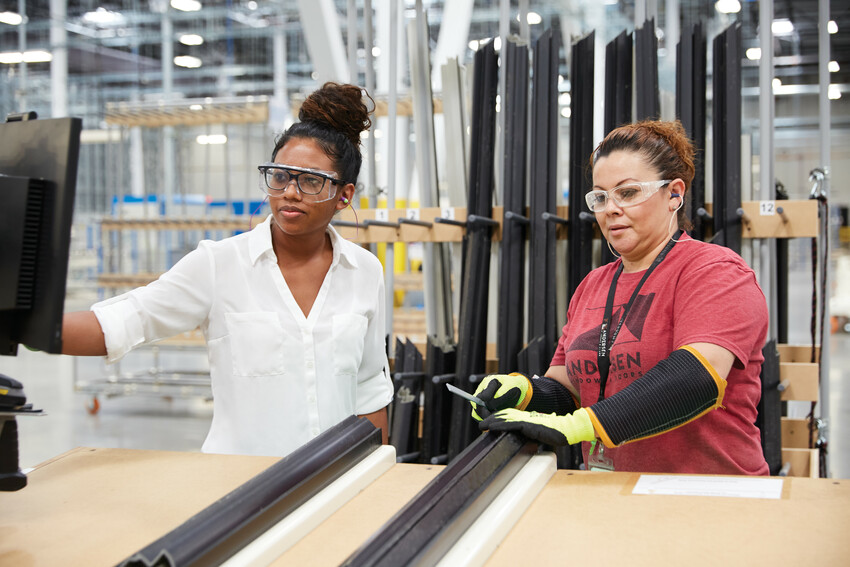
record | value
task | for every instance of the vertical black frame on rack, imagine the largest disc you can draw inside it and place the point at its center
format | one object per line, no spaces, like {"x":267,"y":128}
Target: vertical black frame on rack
{"x":580,"y":247}
{"x":647,"y":101}
{"x":542,"y":195}
{"x":691,"y":69}
{"x":512,"y":259}
{"x":619,"y":86}
{"x":726,"y":128}
{"x":472,"y":323}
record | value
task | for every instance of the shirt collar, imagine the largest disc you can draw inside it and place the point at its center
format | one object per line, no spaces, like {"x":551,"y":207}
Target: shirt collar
{"x":260,"y":243}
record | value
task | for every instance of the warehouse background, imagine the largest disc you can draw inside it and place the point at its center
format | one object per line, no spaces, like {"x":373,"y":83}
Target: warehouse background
{"x":180,"y":101}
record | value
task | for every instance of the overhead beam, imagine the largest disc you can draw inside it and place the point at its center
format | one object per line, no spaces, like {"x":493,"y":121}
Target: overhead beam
{"x":320,"y":22}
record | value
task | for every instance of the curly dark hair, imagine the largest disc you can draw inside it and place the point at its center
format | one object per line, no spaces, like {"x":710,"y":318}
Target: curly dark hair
{"x":333,"y":116}
{"x":664,"y":144}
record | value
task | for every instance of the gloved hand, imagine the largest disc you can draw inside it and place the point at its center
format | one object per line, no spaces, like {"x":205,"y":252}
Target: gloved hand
{"x":501,"y":391}
{"x":547,"y":428}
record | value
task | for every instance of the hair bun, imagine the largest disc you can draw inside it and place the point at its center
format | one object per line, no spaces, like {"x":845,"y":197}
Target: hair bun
{"x":339,"y":106}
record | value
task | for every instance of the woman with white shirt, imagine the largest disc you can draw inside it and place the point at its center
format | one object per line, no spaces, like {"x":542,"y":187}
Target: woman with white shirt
{"x":292,"y":313}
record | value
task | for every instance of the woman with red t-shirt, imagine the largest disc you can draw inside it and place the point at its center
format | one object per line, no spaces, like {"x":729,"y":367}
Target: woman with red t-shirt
{"x":657,"y":368}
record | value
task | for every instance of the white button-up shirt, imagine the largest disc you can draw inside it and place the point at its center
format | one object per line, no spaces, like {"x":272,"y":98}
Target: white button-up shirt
{"x":278,"y":378}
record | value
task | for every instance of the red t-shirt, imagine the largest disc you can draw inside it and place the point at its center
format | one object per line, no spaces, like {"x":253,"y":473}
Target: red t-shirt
{"x":699,"y":293}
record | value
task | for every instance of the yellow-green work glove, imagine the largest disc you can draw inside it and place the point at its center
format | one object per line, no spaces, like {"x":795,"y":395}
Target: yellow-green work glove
{"x":501,"y":391}
{"x":547,"y":428}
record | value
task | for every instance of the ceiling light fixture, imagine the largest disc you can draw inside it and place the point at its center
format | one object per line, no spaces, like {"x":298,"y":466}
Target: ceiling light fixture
{"x":191,"y":39}
{"x":211,"y":139}
{"x":782,"y":26}
{"x":834,"y":93}
{"x":103,"y":17}
{"x":35,"y":56}
{"x":727,"y":6}
{"x":533,"y":18}
{"x":754,"y":53}
{"x":38,"y":56}
{"x":187,"y":61}
{"x":833,"y":67}
{"x":832,"y":27}
{"x":11,"y":18}
{"x":186,"y":5}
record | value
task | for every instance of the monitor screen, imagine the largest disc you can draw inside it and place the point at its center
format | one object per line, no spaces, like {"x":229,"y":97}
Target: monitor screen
{"x":38,"y":176}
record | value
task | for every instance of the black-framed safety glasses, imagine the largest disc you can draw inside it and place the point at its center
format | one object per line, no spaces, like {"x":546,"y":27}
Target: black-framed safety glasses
{"x":316,"y":186}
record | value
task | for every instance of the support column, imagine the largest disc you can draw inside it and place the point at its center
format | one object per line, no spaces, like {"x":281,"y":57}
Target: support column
{"x":22,"y":66}
{"x":766,"y":176}
{"x":281,"y":115}
{"x":168,"y":145}
{"x":59,"y":63}
{"x":825,"y":160}
{"x":368,"y":44}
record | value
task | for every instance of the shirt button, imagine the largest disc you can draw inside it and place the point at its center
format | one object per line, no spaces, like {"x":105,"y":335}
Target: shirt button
{"x":315,"y":432}
{"x":311,"y":398}
{"x":308,"y":364}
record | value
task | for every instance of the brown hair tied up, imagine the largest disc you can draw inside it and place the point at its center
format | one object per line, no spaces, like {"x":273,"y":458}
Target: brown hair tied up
{"x":339,"y":106}
{"x":666,"y":147}
{"x":333,"y":116}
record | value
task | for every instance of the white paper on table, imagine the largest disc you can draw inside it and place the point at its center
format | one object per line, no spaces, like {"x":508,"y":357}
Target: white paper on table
{"x":734,"y":487}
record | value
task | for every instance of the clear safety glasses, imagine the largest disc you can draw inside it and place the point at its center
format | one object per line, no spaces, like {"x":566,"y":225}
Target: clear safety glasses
{"x":315,"y":186}
{"x":626,"y":195}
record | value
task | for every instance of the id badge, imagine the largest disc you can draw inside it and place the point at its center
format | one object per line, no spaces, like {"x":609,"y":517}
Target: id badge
{"x":597,"y":460}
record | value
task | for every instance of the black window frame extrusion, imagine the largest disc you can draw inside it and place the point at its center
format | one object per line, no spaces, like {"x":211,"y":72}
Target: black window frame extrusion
{"x":619,"y":89}
{"x":691,"y":70}
{"x":436,"y":419}
{"x":428,"y":526}
{"x":647,"y":101}
{"x":726,"y":128}
{"x":512,"y":277}
{"x":220,"y":530}
{"x":580,"y":247}
{"x":781,"y":273}
{"x":769,"y":417}
{"x":408,"y":382}
{"x":542,"y":198}
{"x":472,"y":322}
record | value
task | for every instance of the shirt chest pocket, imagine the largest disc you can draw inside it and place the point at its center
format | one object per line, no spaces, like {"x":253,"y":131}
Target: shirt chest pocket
{"x":257,"y":343}
{"x":349,"y":335}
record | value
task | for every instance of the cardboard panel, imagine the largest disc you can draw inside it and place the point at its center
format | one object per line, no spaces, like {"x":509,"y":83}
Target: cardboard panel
{"x":592,"y":518}
{"x":341,"y":534}
{"x":780,"y":219}
{"x":98,"y":506}
{"x":804,"y":462}
{"x":801,"y":381}
{"x":795,"y":433}
{"x":797,"y":353}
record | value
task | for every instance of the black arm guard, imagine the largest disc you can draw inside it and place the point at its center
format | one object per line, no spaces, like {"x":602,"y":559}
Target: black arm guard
{"x":677,"y":390}
{"x":550,"y":396}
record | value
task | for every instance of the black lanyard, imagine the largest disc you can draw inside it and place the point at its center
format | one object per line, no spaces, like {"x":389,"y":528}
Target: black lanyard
{"x":603,"y":352}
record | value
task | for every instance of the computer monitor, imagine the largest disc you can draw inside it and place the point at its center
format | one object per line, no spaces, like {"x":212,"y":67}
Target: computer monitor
{"x":38,"y":177}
